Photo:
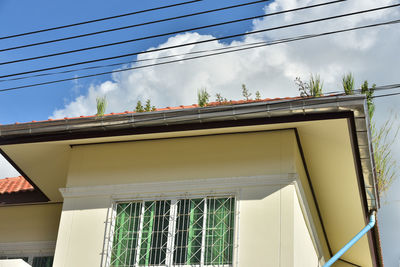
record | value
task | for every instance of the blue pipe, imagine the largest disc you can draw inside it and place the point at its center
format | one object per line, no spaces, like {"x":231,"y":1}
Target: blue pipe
{"x":371,"y":224}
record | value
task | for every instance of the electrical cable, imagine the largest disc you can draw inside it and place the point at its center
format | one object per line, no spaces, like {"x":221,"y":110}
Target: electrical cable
{"x":197,"y":28}
{"x":161,"y":49}
{"x":129,"y":62}
{"x":392,"y":94}
{"x":159,"y":35}
{"x":271,"y":109}
{"x":143,"y":24}
{"x":141,"y":60}
{"x":286,"y":40}
{"x":210,"y":109}
{"x":98,"y":20}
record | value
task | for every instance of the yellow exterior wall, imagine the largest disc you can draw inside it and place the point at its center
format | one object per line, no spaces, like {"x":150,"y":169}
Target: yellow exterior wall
{"x":310,"y":201}
{"x":29,"y":223}
{"x":266,"y":213}
{"x":340,"y":263}
{"x":182,"y":158}
{"x":206,"y":157}
{"x":81,"y":236}
{"x":303,"y":248}
{"x":271,"y":230}
{"x":332,"y":169}
{"x":44,"y":163}
{"x":260,"y":230}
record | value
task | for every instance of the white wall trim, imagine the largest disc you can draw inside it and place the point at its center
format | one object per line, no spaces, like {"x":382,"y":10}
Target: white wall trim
{"x":14,"y":263}
{"x":28,"y":248}
{"x":182,"y":186}
{"x":301,"y":196}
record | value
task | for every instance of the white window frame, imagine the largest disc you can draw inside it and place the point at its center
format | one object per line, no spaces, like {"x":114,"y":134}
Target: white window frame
{"x":172,"y":227}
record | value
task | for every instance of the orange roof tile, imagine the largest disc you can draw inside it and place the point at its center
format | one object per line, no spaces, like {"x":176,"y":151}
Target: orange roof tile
{"x":14,"y":185}
{"x":229,"y":102}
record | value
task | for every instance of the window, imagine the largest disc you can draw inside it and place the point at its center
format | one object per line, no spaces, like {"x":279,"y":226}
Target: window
{"x":42,"y":261}
{"x":178,"y":232}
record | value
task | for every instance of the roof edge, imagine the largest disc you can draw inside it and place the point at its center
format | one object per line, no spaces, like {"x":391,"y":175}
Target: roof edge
{"x":114,"y":123}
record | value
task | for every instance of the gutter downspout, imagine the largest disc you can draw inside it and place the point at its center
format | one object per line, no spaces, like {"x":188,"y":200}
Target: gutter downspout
{"x":371,"y":224}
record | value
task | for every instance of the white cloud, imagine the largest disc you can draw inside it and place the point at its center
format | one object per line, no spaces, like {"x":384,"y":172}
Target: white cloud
{"x":83,"y":105}
{"x":6,"y":170}
{"x":370,"y":54}
{"x":270,"y":70}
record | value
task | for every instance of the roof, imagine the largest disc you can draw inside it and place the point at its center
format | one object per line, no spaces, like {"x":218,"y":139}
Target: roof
{"x":215,"y":111}
{"x":214,"y":115}
{"x":193,"y":117}
{"x":14,"y":185}
{"x":20,"y":184}
{"x":210,"y":104}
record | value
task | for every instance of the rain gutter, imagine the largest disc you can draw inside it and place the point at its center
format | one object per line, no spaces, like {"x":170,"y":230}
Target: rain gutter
{"x":134,"y":123}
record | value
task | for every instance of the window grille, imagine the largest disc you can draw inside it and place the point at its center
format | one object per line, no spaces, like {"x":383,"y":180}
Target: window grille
{"x":42,"y":261}
{"x":180,"y":232}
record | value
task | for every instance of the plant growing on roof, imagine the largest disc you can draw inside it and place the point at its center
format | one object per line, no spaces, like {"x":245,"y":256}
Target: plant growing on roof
{"x":101,"y":106}
{"x":304,"y":87}
{"x":220,"y":99}
{"x":369,"y":92}
{"x":383,"y":138}
{"x":311,"y":88}
{"x":258,"y":95}
{"x":245,"y":92}
{"x":139,"y":107}
{"x":315,"y":85}
{"x":386,"y":167}
{"x":202,"y":97}
{"x":348,"y":83}
{"x":148,"y":107}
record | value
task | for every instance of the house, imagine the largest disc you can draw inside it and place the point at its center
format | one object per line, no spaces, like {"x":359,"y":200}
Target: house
{"x":274,"y":182}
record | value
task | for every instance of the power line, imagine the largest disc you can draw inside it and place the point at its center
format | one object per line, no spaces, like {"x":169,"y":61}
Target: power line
{"x":286,"y":40}
{"x":178,"y":46}
{"x":387,"y":87}
{"x":271,"y":104}
{"x":376,"y":88}
{"x":97,"y":20}
{"x":199,"y":28}
{"x":392,"y":94}
{"x":147,"y":59}
{"x":130,"y":62}
{"x":143,"y":24}
{"x":300,"y":99}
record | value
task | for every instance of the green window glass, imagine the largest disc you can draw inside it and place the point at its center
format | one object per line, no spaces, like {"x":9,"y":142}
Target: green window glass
{"x":126,"y":232}
{"x":42,"y":261}
{"x":178,"y":232}
{"x":140,"y":227}
{"x":154,"y":234}
{"x":189,"y":230}
{"x":219,"y":232}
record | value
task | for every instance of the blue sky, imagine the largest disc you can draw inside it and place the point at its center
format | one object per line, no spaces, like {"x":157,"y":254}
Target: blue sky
{"x":369,"y":54}
{"x":22,"y":16}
